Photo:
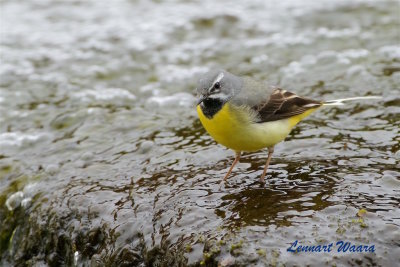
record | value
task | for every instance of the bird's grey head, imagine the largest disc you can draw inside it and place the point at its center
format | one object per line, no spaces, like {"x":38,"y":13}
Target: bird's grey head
{"x":218,"y":85}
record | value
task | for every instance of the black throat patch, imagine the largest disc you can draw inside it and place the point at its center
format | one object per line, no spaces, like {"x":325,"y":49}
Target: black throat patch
{"x":211,"y":106}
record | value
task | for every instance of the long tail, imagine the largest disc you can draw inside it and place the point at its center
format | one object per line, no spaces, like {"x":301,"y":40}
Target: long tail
{"x":339,"y":102}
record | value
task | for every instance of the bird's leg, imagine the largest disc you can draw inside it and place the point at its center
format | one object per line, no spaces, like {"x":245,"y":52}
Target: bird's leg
{"x":270,"y":151}
{"x":233,"y":165}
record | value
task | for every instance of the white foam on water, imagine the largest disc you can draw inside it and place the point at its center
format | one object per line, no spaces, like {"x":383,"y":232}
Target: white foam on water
{"x":14,"y":200}
{"x":104,"y":95}
{"x":391,"y":52}
{"x":19,"y":139}
{"x":180,"y":99}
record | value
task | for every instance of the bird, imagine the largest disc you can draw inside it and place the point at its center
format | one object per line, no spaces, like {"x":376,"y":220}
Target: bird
{"x":246,"y":115}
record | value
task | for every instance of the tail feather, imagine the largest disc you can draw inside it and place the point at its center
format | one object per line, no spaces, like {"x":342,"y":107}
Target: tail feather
{"x":339,"y":102}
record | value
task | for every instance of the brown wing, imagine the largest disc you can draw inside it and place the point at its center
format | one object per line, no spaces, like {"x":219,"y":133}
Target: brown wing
{"x":283,"y":104}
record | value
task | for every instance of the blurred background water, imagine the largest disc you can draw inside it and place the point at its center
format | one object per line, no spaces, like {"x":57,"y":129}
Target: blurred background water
{"x":103,"y":160}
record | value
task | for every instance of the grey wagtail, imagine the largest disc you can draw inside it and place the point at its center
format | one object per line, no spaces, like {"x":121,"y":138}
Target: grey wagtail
{"x":245,"y":115}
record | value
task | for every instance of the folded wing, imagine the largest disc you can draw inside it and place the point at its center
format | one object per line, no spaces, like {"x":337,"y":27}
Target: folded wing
{"x":282,"y":105}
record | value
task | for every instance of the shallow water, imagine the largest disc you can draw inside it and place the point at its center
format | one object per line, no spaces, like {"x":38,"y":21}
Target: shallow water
{"x":103,"y":159}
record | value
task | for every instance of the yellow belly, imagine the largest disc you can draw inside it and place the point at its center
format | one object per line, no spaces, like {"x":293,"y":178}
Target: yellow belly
{"x":233,"y":128}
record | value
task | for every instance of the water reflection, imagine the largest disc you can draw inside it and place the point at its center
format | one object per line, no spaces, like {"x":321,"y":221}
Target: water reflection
{"x":277,"y":204}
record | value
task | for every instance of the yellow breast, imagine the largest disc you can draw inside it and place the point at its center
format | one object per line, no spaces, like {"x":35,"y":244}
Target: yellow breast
{"x":234,"y":128}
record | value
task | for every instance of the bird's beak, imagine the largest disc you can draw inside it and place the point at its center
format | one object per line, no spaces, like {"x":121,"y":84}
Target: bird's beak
{"x":202,"y":98}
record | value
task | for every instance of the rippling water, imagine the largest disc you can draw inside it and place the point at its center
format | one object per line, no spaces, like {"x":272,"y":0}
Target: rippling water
{"x":103,"y":159}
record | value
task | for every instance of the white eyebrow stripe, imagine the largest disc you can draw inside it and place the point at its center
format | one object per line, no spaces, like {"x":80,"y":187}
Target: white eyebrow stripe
{"x":219,"y":77}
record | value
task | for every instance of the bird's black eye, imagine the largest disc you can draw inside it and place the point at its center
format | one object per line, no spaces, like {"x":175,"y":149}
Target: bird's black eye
{"x":217,"y":85}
